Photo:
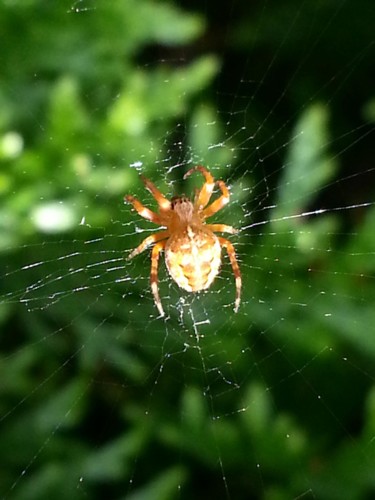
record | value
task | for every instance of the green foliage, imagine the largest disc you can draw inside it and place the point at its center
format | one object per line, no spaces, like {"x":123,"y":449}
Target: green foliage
{"x":98,"y":397}
{"x":308,"y":166}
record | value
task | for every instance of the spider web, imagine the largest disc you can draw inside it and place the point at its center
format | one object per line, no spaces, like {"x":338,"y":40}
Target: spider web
{"x":273,"y":402}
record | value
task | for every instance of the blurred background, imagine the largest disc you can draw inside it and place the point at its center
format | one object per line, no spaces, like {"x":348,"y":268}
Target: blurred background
{"x":100,"y":398}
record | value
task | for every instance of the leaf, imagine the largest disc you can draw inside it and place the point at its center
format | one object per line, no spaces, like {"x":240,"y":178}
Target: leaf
{"x":308,"y":166}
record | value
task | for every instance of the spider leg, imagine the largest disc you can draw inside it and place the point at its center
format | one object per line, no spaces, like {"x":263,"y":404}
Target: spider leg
{"x":163,"y":202}
{"x":219,"y":203}
{"x":236,"y":270}
{"x":203,"y":196}
{"x":154,"y":274}
{"x":221,"y":228}
{"x":147,"y":242}
{"x":143,"y":211}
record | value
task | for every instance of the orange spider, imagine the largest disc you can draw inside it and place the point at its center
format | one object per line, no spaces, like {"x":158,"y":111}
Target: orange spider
{"x":192,"y":250}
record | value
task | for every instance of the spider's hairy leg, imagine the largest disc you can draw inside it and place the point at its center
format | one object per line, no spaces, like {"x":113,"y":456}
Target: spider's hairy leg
{"x":204,"y":195}
{"x":219,"y":203}
{"x":221,"y":228}
{"x":163,"y":202}
{"x":236,"y":270}
{"x":147,"y":242}
{"x":154,"y":274}
{"x":143,"y":211}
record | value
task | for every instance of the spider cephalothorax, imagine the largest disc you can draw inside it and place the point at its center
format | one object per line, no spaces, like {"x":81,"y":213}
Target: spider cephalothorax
{"x":192,"y":250}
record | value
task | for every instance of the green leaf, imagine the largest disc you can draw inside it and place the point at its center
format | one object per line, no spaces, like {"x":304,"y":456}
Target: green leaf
{"x":308,"y":166}
{"x":166,"y":486}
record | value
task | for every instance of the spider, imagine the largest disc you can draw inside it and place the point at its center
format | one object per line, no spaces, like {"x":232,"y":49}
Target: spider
{"x":192,"y":250}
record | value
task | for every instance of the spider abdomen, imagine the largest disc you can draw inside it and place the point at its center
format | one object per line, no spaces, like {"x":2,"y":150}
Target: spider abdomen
{"x":193,"y":258}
